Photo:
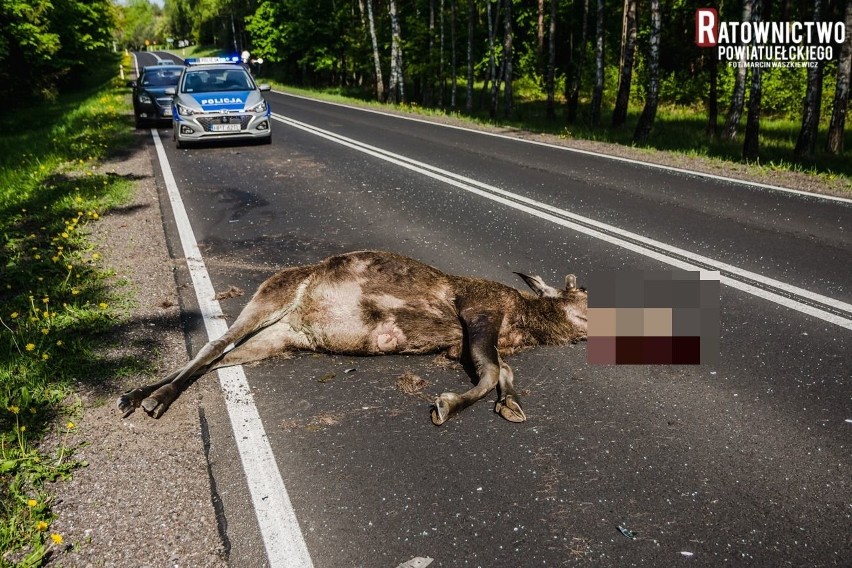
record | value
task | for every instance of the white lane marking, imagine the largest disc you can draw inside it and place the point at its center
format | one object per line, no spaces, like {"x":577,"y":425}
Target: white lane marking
{"x":754,"y":184}
{"x":279,"y":528}
{"x":608,"y":233}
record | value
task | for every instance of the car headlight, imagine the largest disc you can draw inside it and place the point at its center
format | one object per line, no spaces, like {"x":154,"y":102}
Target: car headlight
{"x":144,"y":98}
{"x":186,"y":111}
{"x":259,"y":107}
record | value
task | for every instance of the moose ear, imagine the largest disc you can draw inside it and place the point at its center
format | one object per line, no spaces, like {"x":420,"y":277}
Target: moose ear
{"x":539,"y":286}
{"x":570,"y":282}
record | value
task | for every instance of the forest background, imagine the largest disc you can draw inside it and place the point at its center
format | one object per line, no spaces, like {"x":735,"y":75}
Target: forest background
{"x":625,"y":71}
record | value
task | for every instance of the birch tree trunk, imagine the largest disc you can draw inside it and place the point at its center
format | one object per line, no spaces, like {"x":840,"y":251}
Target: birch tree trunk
{"x":597,"y":93}
{"x":573,"y":97}
{"x":471,"y":17}
{"x":396,"y":89}
{"x":806,"y":143}
{"x":841,"y":91}
{"x":380,"y":87}
{"x":751,"y":145}
{"x":628,"y":48}
{"x":551,"y":62}
{"x":509,"y":107}
{"x":429,"y":78}
{"x":735,"y":110}
{"x":649,"y":112}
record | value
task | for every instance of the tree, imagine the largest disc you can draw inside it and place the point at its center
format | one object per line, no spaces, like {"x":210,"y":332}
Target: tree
{"x":509,"y":107}
{"x":471,"y":20}
{"x":751,"y":145}
{"x":649,"y":112}
{"x":377,"y":62}
{"x":597,"y":93}
{"x":841,"y":91}
{"x":628,"y":47}
{"x":735,"y":110}
{"x":396,"y":88}
{"x":551,"y":61}
{"x":806,"y":143}
{"x":572,"y":94}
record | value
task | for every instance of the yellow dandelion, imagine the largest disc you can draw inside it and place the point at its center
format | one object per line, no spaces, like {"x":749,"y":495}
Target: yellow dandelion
{"x":69,"y":266}
{"x":64,"y":235}
{"x":45,"y":356}
{"x":45,"y":314}
{"x":59,"y":343}
{"x":96,"y":256}
{"x":74,"y":291}
{"x":70,"y":425}
{"x":37,"y":257}
{"x":103,"y":305}
{"x":31,"y":503}
{"x":78,"y":199}
{"x":95,"y":215}
{"x":54,"y":258}
{"x":22,"y":428}
{"x":13,"y":409}
{"x":30,"y":346}
{"x":56,"y":538}
{"x":45,"y":331}
{"x":41,"y":526}
{"x":14,"y":315}
{"x":45,"y":300}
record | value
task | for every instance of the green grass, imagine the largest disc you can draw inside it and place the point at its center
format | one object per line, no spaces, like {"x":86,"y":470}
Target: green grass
{"x":56,"y":297}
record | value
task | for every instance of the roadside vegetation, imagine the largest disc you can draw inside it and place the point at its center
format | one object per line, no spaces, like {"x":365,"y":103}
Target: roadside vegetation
{"x":56,"y":295}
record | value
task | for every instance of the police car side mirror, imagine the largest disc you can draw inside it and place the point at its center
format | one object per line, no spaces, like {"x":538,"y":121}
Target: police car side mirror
{"x":264,"y":87}
{"x":170,"y":91}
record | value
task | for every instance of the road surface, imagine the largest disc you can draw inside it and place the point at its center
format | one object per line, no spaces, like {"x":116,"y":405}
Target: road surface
{"x":744,"y":462}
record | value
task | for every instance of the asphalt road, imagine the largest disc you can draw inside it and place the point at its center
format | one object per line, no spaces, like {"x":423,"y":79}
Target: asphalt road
{"x":746,"y":462}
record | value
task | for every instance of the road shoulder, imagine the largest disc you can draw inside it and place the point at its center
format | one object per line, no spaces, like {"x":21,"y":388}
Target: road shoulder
{"x":144,"y":499}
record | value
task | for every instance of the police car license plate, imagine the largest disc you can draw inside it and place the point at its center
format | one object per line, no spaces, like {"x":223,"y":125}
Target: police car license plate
{"x":224,"y":127}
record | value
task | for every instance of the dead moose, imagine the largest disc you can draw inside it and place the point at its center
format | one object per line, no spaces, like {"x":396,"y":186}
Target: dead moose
{"x":373,"y":303}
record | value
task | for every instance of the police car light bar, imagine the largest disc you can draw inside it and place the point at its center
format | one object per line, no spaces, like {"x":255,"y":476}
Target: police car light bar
{"x":211,"y":60}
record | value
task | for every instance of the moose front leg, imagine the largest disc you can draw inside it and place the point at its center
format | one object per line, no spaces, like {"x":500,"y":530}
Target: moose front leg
{"x":509,"y":404}
{"x":482,"y":330}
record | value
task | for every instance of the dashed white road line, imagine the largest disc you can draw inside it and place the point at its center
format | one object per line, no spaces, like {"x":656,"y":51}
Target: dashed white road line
{"x":279,"y":528}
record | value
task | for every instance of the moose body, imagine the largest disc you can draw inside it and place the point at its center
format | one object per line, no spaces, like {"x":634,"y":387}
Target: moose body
{"x":373,"y":303}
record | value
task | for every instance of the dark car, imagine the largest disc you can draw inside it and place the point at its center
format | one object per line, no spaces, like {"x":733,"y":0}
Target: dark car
{"x":150,"y":103}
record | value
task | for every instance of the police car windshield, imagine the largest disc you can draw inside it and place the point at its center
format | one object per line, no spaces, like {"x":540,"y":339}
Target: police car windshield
{"x":216,"y":81}
{"x":160,"y":78}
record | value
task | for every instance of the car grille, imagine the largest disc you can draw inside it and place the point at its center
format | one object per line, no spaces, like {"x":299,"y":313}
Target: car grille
{"x":207,"y":121}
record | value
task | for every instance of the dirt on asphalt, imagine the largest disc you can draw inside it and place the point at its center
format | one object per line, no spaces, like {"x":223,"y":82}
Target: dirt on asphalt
{"x":144,"y":499}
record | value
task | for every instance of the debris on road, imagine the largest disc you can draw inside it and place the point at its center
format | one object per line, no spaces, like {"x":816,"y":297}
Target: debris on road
{"x":626,"y":532}
{"x":231,"y":292}
{"x":416,"y":562}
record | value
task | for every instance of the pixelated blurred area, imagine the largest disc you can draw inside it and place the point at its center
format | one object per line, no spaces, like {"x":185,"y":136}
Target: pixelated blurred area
{"x":653,"y":318}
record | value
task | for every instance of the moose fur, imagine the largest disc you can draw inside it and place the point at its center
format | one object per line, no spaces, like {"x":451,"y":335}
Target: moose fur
{"x":374,"y":303}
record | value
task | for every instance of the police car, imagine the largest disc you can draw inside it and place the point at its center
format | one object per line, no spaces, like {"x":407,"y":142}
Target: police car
{"x":217,"y":99}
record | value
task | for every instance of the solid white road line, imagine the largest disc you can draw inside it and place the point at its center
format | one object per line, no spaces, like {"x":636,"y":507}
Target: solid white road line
{"x":279,"y":528}
{"x":657,"y":250}
{"x":754,"y":184}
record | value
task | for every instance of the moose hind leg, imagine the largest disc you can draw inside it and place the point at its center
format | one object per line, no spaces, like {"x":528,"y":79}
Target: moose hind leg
{"x":508,"y":404}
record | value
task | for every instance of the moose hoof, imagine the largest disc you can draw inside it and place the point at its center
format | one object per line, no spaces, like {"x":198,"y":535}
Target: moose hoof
{"x":444,"y":407}
{"x":510,"y":409}
{"x":127,"y":404}
{"x":153,"y":407}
